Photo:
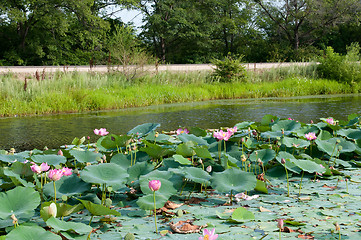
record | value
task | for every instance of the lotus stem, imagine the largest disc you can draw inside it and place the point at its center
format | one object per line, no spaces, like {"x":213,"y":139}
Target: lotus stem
{"x":90,"y":221}
{"x":225,"y":147}
{"x":54,"y":191}
{"x":332,"y":153}
{"x":299,"y":192}
{"x":280,"y":235}
{"x":219,"y":150}
{"x":155,"y":213}
{"x":288,"y":184}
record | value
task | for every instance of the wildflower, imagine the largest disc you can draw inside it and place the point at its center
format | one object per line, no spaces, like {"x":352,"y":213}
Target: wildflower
{"x":208,"y":235}
{"x":310,"y":136}
{"x":101,"y":132}
{"x":154,"y":185}
{"x":66,"y":171}
{"x":180,"y":131}
{"x":290,"y":118}
{"x":55,"y":174}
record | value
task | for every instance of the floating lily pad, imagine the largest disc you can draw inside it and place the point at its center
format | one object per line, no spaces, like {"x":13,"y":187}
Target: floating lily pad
{"x":77,"y":227}
{"x":31,"y":233}
{"x":234,"y":180}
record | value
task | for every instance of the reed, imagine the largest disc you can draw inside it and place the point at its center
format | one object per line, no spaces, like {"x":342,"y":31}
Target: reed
{"x":79,"y":92}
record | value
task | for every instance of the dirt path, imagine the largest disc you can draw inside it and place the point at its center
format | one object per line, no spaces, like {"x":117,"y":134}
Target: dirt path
{"x":104,"y":68}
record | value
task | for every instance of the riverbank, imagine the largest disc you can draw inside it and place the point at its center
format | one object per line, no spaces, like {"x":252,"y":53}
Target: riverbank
{"x":80,"y":92}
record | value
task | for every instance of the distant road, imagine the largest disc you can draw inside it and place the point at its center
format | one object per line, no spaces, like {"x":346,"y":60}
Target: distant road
{"x":153,"y":68}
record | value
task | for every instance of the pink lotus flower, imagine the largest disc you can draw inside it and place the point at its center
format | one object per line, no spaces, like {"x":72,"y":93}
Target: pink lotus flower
{"x":44,"y":167}
{"x":154,"y":185}
{"x":55,"y":174}
{"x":232,"y":130}
{"x":101,"y":132}
{"x":310,"y":136}
{"x":66,"y":171}
{"x":180,"y":131}
{"x":330,"y":121}
{"x":208,"y":235}
{"x":35,"y":168}
{"x":221,"y":135}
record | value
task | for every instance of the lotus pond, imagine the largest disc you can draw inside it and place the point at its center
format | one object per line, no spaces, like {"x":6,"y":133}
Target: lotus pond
{"x":273,"y":179}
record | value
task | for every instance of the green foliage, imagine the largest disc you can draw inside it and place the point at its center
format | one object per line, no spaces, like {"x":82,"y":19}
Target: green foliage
{"x":341,"y":68}
{"x":229,"y":70}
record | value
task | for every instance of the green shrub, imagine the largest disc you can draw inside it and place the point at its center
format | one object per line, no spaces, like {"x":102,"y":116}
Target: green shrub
{"x":229,"y":70}
{"x":341,"y":68}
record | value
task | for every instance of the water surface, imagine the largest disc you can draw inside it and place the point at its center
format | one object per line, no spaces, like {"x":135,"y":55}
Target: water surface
{"x":54,"y":130}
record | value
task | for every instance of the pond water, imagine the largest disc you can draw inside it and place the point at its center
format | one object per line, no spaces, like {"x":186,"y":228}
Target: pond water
{"x":25,"y":133}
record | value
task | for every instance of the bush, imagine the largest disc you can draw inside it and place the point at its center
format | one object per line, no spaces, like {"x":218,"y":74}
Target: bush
{"x":341,"y":68}
{"x":229,"y":70}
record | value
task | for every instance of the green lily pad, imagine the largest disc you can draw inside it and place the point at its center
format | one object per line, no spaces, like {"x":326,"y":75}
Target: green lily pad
{"x":295,"y":142}
{"x":20,"y":201}
{"x":242,"y":215}
{"x":233,"y":179}
{"x":147,"y":201}
{"x":106,"y":173}
{"x":265,"y":155}
{"x":156,"y":151}
{"x":308,"y":166}
{"x":31,"y":233}
{"x":12,"y":158}
{"x":63,"y":226}
{"x":51,"y":159}
{"x":196,"y":175}
{"x":186,"y":149}
{"x":143,"y":129}
{"x":97,"y":209}
{"x":182,"y":160}
{"x":286,"y":125}
{"x":85,"y":156}
{"x":68,"y":186}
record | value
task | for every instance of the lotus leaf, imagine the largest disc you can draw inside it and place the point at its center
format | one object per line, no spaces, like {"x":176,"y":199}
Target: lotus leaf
{"x":85,"y":156}
{"x":308,"y":166}
{"x":186,"y":149}
{"x":199,"y":132}
{"x":156,"y":151}
{"x":289,"y":161}
{"x":97,"y":209}
{"x":20,"y":201}
{"x":68,"y":186}
{"x":143,"y":129}
{"x":31,"y":233}
{"x":51,"y":160}
{"x":233,"y":179}
{"x":77,"y":227}
{"x":106,"y":173}
{"x":182,"y":160}
{"x":12,"y":158}
{"x":113,"y":141}
{"x":190,"y":137}
{"x":196,"y":175}
{"x":203,"y":152}
{"x":242,"y":215}
{"x":265,"y":155}
{"x":146,"y":202}
{"x":295,"y":142}
{"x":286,"y":125}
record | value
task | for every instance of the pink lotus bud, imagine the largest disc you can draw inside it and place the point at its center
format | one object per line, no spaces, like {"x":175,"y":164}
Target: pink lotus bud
{"x":280,"y":223}
{"x":209,"y":169}
{"x":154,"y":185}
{"x":60,"y":153}
{"x":283,"y":161}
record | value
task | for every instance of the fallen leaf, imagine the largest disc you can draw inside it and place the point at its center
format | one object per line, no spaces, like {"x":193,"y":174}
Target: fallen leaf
{"x":185,"y":227}
{"x":195,"y":200}
{"x":172,"y":205}
{"x":262,"y":209}
{"x":306,"y":236}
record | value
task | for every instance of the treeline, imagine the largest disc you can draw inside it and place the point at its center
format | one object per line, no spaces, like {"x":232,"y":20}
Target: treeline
{"x":69,"y":32}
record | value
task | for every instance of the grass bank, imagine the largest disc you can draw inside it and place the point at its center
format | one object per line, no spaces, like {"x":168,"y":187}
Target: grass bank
{"x":79,"y":92}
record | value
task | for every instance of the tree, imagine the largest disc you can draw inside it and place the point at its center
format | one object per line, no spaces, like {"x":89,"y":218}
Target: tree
{"x":303,"y":22}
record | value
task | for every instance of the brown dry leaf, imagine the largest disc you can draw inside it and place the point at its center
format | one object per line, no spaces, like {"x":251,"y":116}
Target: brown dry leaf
{"x":185,"y":227}
{"x":172,"y":205}
{"x":262,"y":209}
{"x":306,"y":236}
{"x":331,"y":187}
{"x":304,"y":198}
{"x":195,"y":200}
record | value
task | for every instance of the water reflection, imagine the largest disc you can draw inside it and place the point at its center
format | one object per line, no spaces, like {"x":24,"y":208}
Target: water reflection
{"x":55,"y":130}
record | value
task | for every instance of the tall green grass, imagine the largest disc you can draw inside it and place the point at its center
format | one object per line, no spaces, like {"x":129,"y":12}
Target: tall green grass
{"x":79,"y":92}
